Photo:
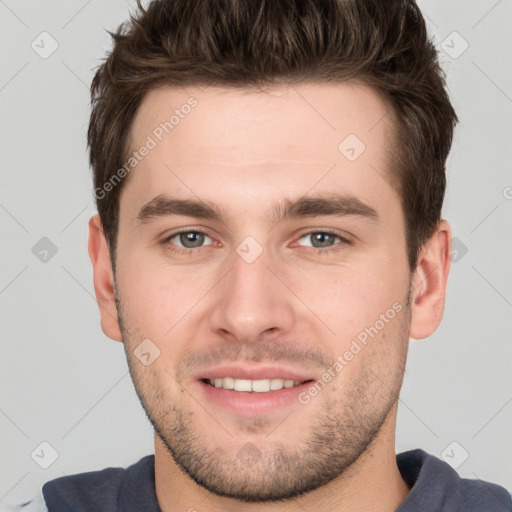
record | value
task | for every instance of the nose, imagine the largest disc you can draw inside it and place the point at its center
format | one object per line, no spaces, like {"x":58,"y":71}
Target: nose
{"x":251,"y":303}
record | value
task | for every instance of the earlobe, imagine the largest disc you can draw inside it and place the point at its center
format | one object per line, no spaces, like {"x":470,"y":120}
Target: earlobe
{"x":429,"y":283}
{"x":103,"y":279}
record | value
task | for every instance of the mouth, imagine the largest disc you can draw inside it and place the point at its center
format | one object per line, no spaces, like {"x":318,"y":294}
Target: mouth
{"x":254,"y":386}
{"x":252,"y":391}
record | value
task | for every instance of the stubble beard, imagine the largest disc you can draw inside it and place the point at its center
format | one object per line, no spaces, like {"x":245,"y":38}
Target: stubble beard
{"x":265,"y":470}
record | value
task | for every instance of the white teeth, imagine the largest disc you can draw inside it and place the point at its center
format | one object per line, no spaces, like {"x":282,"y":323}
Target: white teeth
{"x":256,"y":386}
{"x":242,"y":385}
{"x":227,"y":383}
{"x":260,"y":386}
{"x":276,"y":384}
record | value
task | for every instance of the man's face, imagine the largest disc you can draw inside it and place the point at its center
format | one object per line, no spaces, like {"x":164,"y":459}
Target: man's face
{"x":260,"y":299}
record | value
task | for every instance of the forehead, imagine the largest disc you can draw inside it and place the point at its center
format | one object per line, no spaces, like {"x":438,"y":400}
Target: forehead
{"x":222,"y":118}
{"x":282,"y":140}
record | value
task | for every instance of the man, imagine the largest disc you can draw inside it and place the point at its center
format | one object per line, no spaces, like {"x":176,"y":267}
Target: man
{"x":269,"y":179}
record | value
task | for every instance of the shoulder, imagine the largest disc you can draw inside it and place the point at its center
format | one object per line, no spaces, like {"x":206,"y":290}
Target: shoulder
{"x":435,"y":485}
{"x":98,"y":490}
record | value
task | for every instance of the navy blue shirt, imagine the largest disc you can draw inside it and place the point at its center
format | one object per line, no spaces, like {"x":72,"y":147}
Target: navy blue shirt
{"x":434,"y":487}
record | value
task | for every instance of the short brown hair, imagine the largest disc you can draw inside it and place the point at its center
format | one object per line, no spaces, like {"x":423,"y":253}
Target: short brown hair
{"x":246,"y":43}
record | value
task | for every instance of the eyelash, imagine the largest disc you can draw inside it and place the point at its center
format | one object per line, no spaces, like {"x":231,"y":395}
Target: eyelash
{"x":316,"y":250}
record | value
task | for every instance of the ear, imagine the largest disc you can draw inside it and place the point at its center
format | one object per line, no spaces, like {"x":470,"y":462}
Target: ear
{"x":103,"y":279}
{"x":429,"y":282}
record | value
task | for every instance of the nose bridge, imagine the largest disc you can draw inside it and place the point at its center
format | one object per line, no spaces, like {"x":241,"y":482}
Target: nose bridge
{"x":251,"y":300}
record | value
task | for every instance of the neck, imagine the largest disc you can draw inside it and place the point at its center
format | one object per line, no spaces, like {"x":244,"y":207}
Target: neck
{"x":372,"y":483}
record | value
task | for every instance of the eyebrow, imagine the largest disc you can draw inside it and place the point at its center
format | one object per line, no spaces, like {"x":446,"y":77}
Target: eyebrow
{"x":306,"y":206}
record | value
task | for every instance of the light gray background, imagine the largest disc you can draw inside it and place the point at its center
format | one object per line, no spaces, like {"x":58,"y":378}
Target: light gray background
{"x":64,"y":382}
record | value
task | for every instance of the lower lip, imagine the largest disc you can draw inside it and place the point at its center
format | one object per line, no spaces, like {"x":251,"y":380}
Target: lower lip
{"x":252,"y":403}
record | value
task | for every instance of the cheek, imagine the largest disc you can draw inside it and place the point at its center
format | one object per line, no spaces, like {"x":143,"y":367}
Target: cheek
{"x":351,"y":298}
{"x":155,"y":296}
{"x":374,"y":357}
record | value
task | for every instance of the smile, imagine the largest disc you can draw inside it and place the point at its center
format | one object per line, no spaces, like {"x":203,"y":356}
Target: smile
{"x":252,"y":386}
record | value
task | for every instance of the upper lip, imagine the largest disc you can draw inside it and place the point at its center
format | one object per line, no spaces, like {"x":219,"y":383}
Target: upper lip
{"x":259,"y":372}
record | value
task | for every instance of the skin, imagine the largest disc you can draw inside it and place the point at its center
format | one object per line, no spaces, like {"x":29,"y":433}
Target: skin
{"x":245,"y":150}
